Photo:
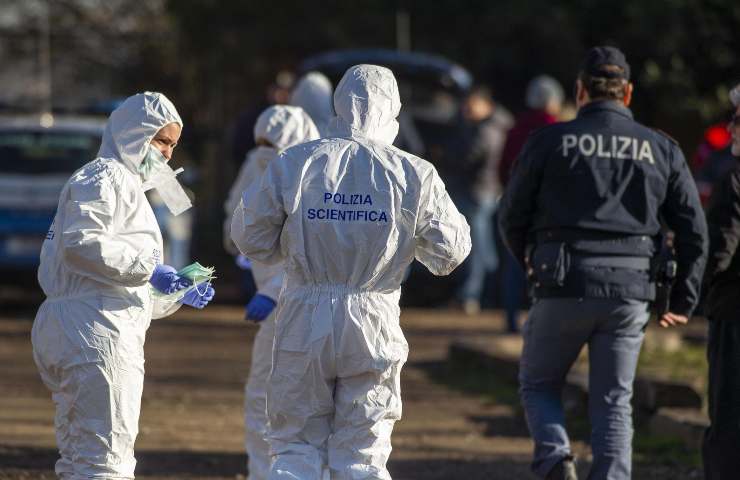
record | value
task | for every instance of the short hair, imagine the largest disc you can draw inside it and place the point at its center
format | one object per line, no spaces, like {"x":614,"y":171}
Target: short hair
{"x":735,"y":95}
{"x":605,"y":88}
{"x":541,"y":90}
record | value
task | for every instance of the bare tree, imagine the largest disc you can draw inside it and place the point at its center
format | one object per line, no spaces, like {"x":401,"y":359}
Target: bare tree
{"x":69,"y":52}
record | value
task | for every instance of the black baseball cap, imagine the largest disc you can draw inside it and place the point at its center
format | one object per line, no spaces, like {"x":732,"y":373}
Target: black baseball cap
{"x":599,"y":57}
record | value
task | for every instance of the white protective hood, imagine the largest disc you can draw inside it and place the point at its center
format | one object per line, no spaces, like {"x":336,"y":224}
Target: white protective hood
{"x":284,"y":126}
{"x":133,"y":125}
{"x":367,"y":104}
{"x":127,"y":138}
{"x":314,"y":95}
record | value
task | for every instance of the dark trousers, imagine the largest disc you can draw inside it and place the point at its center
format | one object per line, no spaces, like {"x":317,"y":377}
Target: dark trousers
{"x":722,"y":438}
{"x":555,"y":332}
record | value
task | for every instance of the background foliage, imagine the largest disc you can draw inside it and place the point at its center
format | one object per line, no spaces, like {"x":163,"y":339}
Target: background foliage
{"x":215,"y":58}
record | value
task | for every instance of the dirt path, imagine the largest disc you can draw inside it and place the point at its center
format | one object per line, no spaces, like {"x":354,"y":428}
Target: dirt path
{"x":191,"y":425}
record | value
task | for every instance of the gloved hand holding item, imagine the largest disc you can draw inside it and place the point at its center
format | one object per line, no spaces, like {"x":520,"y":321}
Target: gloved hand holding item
{"x":166,"y":280}
{"x":259,"y":308}
{"x":199,"y":296}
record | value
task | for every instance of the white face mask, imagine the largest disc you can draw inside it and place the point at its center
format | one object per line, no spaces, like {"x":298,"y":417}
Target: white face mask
{"x":153,"y":162}
{"x":156,"y":173}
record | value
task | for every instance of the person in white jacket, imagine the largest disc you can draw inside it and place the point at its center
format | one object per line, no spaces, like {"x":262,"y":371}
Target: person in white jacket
{"x":101,"y":257}
{"x":277,"y":128}
{"x":346,"y":215}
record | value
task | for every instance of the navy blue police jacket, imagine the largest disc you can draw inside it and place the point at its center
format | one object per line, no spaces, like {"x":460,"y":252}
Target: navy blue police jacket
{"x":602,"y":185}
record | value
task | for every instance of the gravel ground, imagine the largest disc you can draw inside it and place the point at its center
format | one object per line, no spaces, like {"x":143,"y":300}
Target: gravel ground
{"x":191,"y":425}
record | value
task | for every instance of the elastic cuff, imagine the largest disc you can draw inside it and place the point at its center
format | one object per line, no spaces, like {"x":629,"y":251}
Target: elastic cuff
{"x":143,"y":267}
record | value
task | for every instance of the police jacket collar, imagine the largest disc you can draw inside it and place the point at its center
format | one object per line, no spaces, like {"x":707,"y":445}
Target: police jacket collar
{"x":612,"y":106}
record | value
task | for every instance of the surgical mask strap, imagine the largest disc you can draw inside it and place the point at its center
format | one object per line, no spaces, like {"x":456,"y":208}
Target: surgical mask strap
{"x":207,"y":284}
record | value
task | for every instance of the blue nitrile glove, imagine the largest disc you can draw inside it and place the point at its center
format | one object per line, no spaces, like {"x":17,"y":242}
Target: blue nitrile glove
{"x":194,"y":298}
{"x":259,"y":308}
{"x":243,"y":262}
{"x":166,"y":280}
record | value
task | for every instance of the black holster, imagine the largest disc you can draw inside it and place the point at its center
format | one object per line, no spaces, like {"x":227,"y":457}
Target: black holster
{"x":550,"y":263}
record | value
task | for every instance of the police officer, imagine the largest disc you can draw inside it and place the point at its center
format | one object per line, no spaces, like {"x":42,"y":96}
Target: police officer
{"x":582,"y":213}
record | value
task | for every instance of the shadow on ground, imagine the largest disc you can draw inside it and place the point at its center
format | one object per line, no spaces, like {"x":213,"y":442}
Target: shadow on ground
{"x":36,"y":463}
{"x":149,"y":463}
{"x":654,"y":456}
{"x":476,"y":380}
{"x":446,"y":469}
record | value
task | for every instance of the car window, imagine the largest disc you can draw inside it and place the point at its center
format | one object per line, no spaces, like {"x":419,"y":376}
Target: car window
{"x":46,"y":152}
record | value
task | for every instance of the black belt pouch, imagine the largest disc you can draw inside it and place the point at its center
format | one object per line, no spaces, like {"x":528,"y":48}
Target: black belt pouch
{"x":550,"y":264}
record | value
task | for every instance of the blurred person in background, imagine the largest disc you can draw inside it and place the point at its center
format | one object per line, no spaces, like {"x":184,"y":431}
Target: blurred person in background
{"x":346,"y":215}
{"x":582,"y":214}
{"x":278,"y":128}
{"x":313,"y":93}
{"x":472,"y":179}
{"x":276,"y":93}
{"x":568,"y":112}
{"x":716,"y":137}
{"x":241,"y":143}
{"x":712,"y":160}
{"x":544,"y":101}
{"x":100,"y":261}
{"x":718,"y":164}
{"x":721,"y":440}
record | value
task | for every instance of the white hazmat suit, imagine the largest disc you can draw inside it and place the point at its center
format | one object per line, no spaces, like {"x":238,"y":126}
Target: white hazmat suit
{"x":347,"y":215}
{"x":88,"y":335}
{"x":282,"y":127}
{"x":313,"y":93}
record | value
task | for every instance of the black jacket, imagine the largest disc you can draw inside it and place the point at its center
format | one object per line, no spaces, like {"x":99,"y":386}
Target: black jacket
{"x":723,"y":266}
{"x":610,"y":181}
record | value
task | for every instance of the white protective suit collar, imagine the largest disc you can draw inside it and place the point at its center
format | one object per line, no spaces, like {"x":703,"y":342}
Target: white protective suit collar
{"x":314,"y":94}
{"x":133,"y":125}
{"x":284,"y":126}
{"x":367,"y":103}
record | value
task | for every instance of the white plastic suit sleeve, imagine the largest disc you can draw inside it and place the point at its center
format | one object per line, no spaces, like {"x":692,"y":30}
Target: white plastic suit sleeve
{"x":91,"y":245}
{"x":256,"y":227}
{"x":163,"y":308}
{"x":232,"y":202}
{"x":442,"y":234}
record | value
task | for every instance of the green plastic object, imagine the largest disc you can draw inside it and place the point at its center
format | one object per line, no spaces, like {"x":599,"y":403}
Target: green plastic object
{"x":197,"y":274}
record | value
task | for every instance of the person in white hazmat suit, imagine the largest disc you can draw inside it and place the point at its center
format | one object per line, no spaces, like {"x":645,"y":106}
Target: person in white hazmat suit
{"x":346,"y":215}
{"x":313,"y":93}
{"x":277,"y":128}
{"x":100,"y":256}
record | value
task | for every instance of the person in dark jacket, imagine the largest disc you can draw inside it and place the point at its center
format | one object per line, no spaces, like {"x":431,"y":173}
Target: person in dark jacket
{"x":582,"y":212}
{"x":544,"y":100}
{"x":475,"y":188}
{"x":722,"y":438}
